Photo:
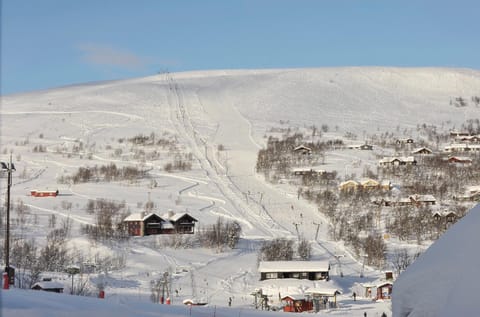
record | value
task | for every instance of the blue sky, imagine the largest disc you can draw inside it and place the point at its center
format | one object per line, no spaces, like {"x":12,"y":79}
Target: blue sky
{"x":50,"y":43}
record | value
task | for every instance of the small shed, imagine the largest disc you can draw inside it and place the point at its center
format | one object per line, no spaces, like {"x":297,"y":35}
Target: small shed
{"x":366,"y":147}
{"x":460,"y":160}
{"x":44,"y":193}
{"x":302,"y":149}
{"x":384,"y":290}
{"x":422,"y":151}
{"x":48,"y":286}
{"x":296,"y":303}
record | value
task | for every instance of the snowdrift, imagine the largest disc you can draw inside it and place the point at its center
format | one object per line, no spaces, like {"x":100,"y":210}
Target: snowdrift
{"x":444,"y":280}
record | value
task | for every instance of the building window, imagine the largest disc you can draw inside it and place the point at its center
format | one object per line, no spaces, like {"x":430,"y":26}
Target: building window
{"x":271,"y":275}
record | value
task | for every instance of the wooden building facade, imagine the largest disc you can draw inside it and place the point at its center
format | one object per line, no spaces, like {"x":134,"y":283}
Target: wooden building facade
{"x":309,"y":270}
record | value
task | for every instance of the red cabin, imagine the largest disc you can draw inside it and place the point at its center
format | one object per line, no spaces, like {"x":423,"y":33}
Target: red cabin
{"x":44,"y":193}
{"x":296,"y":304}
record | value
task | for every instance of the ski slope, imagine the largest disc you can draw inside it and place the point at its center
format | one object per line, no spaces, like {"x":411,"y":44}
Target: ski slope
{"x":203,"y":110}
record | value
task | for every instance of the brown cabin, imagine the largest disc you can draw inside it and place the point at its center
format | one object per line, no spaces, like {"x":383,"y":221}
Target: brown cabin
{"x":142,"y":224}
{"x":181,"y":223}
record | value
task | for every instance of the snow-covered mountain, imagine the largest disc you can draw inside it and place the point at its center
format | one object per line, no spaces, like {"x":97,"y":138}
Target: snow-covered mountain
{"x":52,"y":133}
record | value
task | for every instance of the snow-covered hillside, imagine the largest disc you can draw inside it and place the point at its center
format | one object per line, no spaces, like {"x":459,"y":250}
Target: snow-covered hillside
{"x":52,"y":133}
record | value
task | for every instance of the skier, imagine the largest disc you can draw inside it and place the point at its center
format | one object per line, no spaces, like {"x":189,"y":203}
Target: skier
{"x":354,"y":296}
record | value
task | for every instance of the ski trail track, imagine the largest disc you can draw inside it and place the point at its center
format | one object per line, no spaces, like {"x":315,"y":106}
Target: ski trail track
{"x":183,"y":124}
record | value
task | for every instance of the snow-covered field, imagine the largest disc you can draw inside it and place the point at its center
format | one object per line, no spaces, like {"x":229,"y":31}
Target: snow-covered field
{"x":81,"y":126}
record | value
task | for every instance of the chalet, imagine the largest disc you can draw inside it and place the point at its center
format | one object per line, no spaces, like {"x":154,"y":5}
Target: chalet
{"x":363,"y":147}
{"x":404,"y":141}
{"x":309,"y":270}
{"x":471,"y":194}
{"x":468,"y":197}
{"x":349,"y":185}
{"x":143,"y":224}
{"x":456,"y":134}
{"x":445,"y":218}
{"x":48,"y":285}
{"x":468,"y":139}
{"x":302,"y":149}
{"x":459,"y":160}
{"x":422,"y":151}
{"x":422,"y":199}
{"x":181,"y":223}
{"x":462,"y":147}
{"x":399,"y":202}
{"x":369,"y":184}
{"x":397,"y":161}
{"x":380,"y":289}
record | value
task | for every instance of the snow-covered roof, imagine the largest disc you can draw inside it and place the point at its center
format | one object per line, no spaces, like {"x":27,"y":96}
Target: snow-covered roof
{"x":369,"y":182}
{"x":323,"y":291}
{"x":302,"y":147}
{"x":349,"y":182}
{"x":294,"y":296}
{"x":422,"y":149}
{"x":48,"y":285}
{"x":422,"y":198}
{"x":293,"y":266}
{"x":406,"y":159}
{"x":140,"y":216}
{"x":462,"y":146}
{"x":174,"y":217}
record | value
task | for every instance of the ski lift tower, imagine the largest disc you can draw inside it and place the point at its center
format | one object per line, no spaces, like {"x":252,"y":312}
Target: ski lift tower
{"x":338,"y":256}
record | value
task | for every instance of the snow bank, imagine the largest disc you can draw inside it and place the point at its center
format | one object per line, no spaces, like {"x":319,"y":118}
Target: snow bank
{"x":444,"y":280}
{"x":21,"y":303}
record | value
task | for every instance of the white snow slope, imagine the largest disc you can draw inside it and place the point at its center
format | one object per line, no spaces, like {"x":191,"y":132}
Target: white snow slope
{"x":444,"y":281}
{"x":81,"y":126}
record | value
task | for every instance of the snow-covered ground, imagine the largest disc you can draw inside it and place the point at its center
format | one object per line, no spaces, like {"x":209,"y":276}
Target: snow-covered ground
{"x":202,"y":110}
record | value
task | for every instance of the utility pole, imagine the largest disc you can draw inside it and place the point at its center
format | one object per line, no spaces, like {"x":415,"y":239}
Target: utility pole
{"x":296,"y":228}
{"x":9,"y":167}
{"x":363,"y":264}
{"x":318,"y":228}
